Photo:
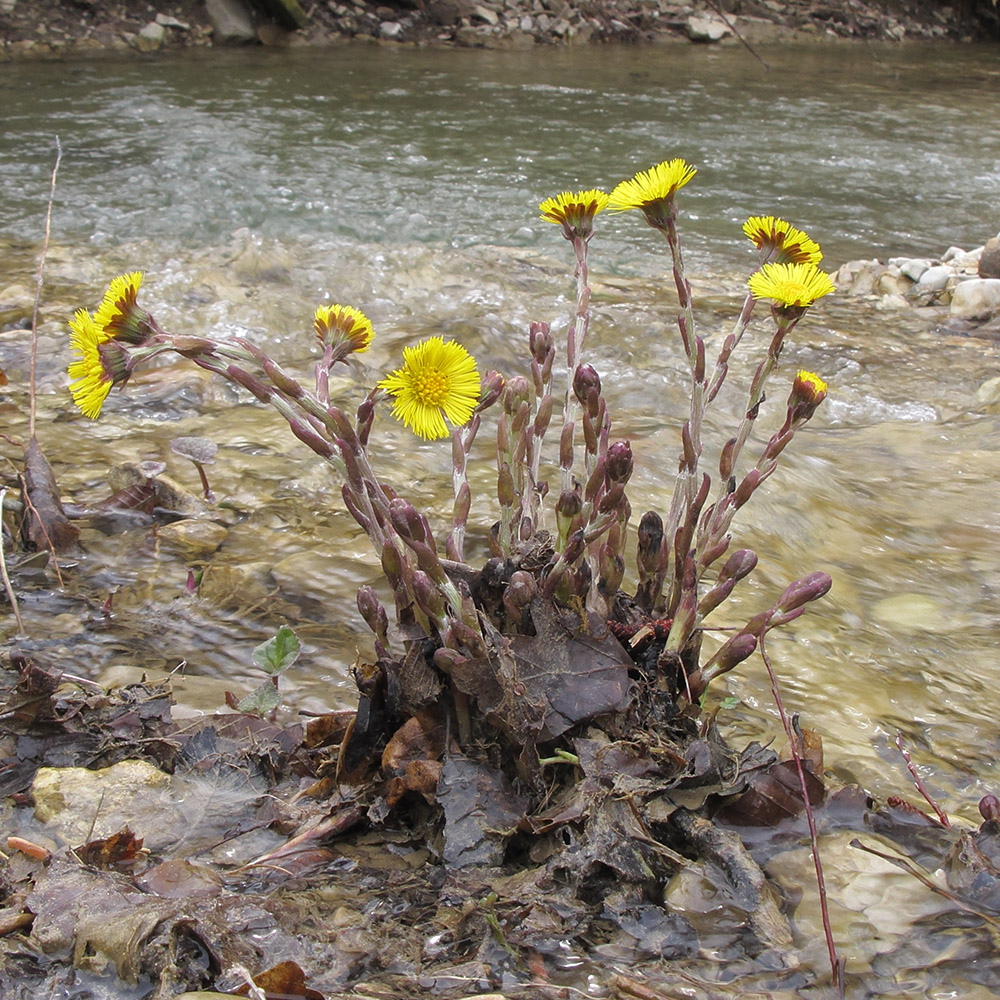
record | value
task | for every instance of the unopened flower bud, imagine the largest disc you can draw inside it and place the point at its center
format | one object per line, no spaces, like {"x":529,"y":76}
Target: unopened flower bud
{"x":446,"y":659}
{"x":738,"y":565}
{"x":308,"y":436}
{"x":251,"y":382}
{"x":730,"y":654}
{"x":568,"y":508}
{"x":372,"y":611}
{"x":515,"y":392}
{"x":618,"y":464}
{"x":429,"y":598}
{"x":745,"y":490}
{"x":587,"y":387}
{"x":490,"y":389}
{"x":543,"y":416}
{"x":989,"y":808}
{"x":650,"y":541}
{"x":506,"y":492}
{"x":801,"y":592}
{"x":727,"y":459}
{"x":539,"y":341}
{"x":392,"y":563}
{"x":808,"y":391}
{"x":406,"y":520}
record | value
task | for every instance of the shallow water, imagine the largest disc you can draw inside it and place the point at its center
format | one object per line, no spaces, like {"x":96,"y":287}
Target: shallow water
{"x":251,"y":188}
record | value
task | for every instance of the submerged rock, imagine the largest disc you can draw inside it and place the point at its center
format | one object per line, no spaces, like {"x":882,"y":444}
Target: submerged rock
{"x":76,"y":804}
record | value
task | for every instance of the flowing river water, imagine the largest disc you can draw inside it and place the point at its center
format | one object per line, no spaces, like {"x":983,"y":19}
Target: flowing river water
{"x":253,"y":186}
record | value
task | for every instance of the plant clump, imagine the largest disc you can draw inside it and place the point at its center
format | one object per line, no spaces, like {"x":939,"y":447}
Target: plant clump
{"x":542,"y":695}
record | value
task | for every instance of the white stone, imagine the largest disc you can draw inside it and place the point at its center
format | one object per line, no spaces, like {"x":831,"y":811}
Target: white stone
{"x":912,"y":267}
{"x":706,"y":29}
{"x":977,"y":298}
{"x":934,"y":279}
{"x":526,"y":23}
{"x":987,"y":396}
{"x":171,"y":22}
{"x":951,"y":253}
{"x":231,"y":21}
{"x":487,"y":15}
{"x":390,"y":29}
{"x":151,"y":37}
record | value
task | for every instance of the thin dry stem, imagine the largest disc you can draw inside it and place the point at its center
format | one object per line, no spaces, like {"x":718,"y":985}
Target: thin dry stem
{"x":38,"y":294}
{"x":6,"y":579}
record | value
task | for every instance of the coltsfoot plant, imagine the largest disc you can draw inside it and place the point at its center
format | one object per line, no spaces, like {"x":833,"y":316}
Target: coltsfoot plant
{"x":542,"y":637}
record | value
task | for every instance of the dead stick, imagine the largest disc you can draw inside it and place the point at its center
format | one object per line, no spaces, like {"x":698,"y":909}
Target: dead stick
{"x":6,"y":579}
{"x":38,"y":294}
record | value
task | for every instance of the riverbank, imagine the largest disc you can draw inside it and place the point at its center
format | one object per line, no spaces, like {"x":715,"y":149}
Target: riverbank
{"x":56,"y":28}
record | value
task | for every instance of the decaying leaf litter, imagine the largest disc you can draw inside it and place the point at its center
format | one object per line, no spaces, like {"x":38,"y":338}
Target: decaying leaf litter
{"x":527,"y":795}
{"x":234,"y":846}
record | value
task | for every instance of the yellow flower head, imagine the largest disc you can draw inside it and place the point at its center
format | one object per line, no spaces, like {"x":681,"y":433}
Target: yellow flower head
{"x":438,"y":379}
{"x":574,"y":212}
{"x":119,"y":316}
{"x":95,"y":371}
{"x":790,"y":285}
{"x":337,"y":324}
{"x":653,"y":190}
{"x":779,"y":241}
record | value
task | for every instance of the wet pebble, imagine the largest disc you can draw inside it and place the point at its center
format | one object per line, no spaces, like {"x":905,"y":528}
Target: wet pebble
{"x":193,"y":539}
{"x":909,"y":611}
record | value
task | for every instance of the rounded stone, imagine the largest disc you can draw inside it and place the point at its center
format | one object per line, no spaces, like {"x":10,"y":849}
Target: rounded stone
{"x":909,"y":611}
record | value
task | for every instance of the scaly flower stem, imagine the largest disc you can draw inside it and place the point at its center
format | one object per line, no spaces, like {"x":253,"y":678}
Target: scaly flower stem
{"x":574,"y":345}
{"x":729,"y":345}
{"x":687,"y":486}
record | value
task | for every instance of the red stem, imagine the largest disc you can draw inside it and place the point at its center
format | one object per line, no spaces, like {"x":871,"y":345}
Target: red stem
{"x":836,"y":963}
{"x":916,"y":780}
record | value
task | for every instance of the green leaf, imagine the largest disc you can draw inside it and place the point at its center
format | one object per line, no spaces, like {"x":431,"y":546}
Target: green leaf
{"x":730,"y":701}
{"x":261,"y":701}
{"x":277,"y":654}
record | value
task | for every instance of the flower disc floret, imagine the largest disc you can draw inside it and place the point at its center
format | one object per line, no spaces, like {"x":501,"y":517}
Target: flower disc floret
{"x":658,"y":184}
{"x":779,"y":241}
{"x":337,"y":324}
{"x":438,"y":380}
{"x":790,"y":285}
{"x":574,"y":212}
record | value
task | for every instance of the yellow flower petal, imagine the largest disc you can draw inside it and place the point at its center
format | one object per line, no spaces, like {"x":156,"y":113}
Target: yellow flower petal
{"x":790,"y":284}
{"x":659,"y":183}
{"x":340,"y":324}
{"x":438,"y":379}
{"x":575,"y":212}
{"x":118,"y":315}
{"x":90,"y":381}
{"x":785,"y":243}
